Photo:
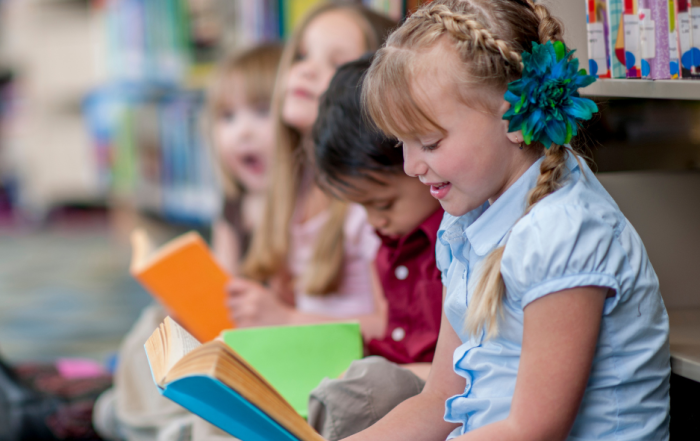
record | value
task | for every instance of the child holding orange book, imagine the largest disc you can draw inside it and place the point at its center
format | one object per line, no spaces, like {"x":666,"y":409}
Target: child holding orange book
{"x":310,"y":258}
{"x":239,"y":125}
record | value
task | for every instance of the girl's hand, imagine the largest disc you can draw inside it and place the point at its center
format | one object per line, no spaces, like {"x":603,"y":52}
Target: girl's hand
{"x":251,"y":304}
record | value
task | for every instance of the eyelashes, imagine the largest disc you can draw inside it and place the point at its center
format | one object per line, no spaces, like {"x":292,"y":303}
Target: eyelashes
{"x":426,"y":148}
{"x":430,"y":147}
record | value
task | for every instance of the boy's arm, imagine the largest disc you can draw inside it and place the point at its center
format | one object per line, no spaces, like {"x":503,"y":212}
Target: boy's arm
{"x":559,"y":341}
{"x":420,"y":418}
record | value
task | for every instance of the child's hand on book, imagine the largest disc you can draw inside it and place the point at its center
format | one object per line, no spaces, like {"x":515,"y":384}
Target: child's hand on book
{"x":251,"y":304}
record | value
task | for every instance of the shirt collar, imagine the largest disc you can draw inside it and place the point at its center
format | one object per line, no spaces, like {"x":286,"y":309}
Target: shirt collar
{"x":431,"y":224}
{"x":487,"y":231}
{"x":483,"y":228}
{"x":428,"y":227}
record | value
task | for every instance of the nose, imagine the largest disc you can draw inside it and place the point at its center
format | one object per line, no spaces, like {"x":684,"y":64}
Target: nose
{"x":413,"y":164}
{"x":308,"y":68}
{"x":376,"y":220}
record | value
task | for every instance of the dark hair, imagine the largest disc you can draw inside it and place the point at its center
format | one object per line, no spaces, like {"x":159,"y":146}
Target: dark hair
{"x":346,"y":144}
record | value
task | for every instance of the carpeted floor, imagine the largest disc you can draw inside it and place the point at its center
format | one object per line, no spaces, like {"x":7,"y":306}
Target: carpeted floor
{"x":65,"y":293}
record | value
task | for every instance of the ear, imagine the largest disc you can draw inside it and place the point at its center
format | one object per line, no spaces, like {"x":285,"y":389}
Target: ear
{"x":514,"y":137}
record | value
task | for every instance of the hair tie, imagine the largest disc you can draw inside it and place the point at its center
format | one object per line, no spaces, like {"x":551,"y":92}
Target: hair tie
{"x":545,"y":104}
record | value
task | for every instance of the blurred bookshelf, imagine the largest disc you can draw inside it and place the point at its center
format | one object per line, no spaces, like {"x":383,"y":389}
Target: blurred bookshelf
{"x":573,"y":15}
{"x":146,"y":119}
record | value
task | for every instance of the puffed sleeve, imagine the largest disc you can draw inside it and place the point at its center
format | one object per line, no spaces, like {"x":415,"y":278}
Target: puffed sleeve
{"x":561,"y":247}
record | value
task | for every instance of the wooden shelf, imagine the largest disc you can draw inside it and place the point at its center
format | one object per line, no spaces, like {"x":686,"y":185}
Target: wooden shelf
{"x":660,"y":89}
{"x":685,"y":342}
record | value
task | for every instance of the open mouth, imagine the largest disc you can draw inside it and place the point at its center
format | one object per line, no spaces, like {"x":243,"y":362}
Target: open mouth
{"x":440,"y":190}
{"x":253,"y":163}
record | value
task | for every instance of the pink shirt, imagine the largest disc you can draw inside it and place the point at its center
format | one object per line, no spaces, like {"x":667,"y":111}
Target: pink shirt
{"x":354,"y":296}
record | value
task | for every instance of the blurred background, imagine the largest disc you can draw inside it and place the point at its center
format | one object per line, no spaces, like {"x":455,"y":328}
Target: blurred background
{"x":100,"y":131}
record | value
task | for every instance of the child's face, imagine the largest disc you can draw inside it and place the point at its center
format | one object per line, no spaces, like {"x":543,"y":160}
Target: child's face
{"x":475,"y":160}
{"x":396,"y":205}
{"x":330,"y":40}
{"x":243,"y":135}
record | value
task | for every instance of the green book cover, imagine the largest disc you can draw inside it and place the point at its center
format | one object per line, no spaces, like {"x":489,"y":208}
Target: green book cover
{"x":294,"y":359}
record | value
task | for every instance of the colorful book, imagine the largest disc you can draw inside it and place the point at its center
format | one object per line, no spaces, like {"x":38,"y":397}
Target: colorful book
{"x":653,"y":43}
{"x":244,"y":390}
{"x":674,"y":48}
{"x":633,"y":60}
{"x":695,"y":37}
{"x":326,"y":351}
{"x":685,"y":38}
{"x":185,"y":277}
{"x":616,"y":40}
{"x":598,"y":29}
{"x":293,"y":11}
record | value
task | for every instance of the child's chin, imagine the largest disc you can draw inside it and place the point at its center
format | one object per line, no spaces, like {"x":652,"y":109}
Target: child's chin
{"x":455,"y":209}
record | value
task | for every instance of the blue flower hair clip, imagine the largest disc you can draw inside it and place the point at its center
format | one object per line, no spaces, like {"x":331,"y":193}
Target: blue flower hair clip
{"x":545,"y":104}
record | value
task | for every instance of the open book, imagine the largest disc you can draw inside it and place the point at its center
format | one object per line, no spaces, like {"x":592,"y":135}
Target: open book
{"x":215,"y":382}
{"x":185,"y":277}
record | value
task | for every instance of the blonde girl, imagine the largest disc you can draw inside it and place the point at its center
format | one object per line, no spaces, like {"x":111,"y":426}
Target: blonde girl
{"x":238,"y":124}
{"x":240,"y":127}
{"x":310,"y":256}
{"x":553,"y":325}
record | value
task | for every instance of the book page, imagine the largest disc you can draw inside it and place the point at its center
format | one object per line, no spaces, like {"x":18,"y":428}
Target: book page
{"x":179,"y":341}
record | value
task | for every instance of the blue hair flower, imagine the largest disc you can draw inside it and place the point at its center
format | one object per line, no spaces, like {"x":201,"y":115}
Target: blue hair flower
{"x":545,"y":104}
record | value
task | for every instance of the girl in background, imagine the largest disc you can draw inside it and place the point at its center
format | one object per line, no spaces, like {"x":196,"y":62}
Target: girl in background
{"x":241,"y":129}
{"x":553,"y":325}
{"x":239,"y":124}
{"x":310,"y":258}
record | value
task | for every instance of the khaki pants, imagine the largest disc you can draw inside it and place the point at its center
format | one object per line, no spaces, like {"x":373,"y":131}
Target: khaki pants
{"x":370,"y":389}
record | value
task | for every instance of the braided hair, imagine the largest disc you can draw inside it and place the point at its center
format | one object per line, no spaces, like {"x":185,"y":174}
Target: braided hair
{"x":488,"y":36}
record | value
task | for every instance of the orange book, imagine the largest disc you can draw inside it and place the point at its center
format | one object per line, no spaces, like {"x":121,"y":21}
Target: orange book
{"x":185,"y":277}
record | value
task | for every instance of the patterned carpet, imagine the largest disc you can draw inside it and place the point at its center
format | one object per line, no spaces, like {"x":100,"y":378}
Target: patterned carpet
{"x":65,"y":293}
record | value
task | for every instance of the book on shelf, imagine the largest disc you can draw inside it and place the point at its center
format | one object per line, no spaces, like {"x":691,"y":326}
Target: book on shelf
{"x":616,"y":39}
{"x":685,"y":38}
{"x":695,"y":37}
{"x":184,"y":276}
{"x":654,"y":39}
{"x":633,"y":60}
{"x":393,"y":9}
{"x":674,"y":48}
{"x":598,"y":30}
{"x":245,"y":384}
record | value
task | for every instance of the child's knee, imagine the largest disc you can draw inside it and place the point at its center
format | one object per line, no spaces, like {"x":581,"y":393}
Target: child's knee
{"x":370,"y":389}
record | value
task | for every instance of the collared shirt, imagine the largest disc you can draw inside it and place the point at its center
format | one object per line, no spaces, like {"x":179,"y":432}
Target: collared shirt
{"x":574,"y":237}
{"x":413,"y":290}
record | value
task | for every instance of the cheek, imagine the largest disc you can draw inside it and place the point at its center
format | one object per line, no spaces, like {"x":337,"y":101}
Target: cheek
{"x":223,"y":139}
{"x":325,"y":76}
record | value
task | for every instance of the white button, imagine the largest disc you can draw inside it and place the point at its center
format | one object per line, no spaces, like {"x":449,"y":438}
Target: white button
{"x":398,"y":334}
{"x":401,"y":272}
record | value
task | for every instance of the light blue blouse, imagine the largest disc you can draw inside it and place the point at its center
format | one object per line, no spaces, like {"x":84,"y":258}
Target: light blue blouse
{"x":574,"y":237}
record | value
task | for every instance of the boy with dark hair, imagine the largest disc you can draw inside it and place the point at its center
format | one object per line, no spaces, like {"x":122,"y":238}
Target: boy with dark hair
{"x":357,"y":163}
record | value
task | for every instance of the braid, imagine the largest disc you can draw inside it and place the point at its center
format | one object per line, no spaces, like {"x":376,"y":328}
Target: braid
{"x":549,"y":29}
{"x":551,"y":171}
{"x":467,"y":30}
{"x":489,"y":37}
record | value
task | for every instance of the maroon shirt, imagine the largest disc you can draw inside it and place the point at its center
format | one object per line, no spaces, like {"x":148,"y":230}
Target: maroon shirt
{"x":413,"y":290}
